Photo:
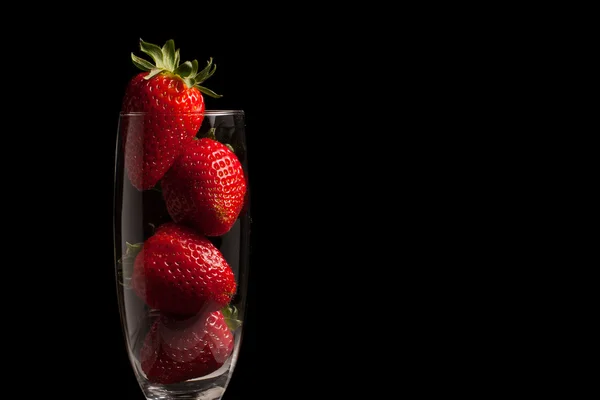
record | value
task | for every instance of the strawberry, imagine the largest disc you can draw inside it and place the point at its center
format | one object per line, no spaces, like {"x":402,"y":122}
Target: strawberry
{"x":177,"y":350}
{"x":181,"y":272}
{"x":205,"y":187}
{"x":171,"y":98}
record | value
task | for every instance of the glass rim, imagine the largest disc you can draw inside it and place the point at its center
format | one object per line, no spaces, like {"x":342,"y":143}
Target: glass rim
{"x":216,"y":112}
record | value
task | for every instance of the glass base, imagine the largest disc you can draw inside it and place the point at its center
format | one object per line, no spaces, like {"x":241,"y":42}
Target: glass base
{"x":153,"y":392}
{"x":209,"y":387}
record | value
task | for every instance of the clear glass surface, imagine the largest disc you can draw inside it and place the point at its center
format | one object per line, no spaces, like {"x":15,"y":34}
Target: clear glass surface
{"x":181,"y":244}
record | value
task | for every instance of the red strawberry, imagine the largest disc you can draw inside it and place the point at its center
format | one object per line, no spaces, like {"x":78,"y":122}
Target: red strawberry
{"x":171,"y":98}
{"x":175,"y":350}
{"x":206,"y":187}
{"x":181,"y":272}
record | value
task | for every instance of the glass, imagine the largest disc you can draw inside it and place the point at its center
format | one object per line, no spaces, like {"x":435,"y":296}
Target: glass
{"x":181,"y":244}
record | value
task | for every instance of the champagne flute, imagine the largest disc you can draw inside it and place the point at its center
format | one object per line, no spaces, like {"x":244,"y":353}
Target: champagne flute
{"x":181,"y":251}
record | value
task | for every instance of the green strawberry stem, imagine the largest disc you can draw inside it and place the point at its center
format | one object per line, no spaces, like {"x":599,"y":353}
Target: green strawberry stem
{"x":157,"y":187}
{"x":211,"y":135}
{"x":230,"y":313}
{"x":126,"y":262}
{"x":167,"y":60}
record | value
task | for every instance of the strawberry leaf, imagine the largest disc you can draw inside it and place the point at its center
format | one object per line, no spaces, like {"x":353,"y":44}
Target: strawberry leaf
{"x":177,"y":58}
{"x":210,"y":73}
{"x":141,"y":63}
{"x":168,"y":54}
{"x":153,"y":51}
{"x":125,"y":270}
{"x":230,"y":313}
{"x":185,"y":69}
{"x":233,"y":324}
{"x":208,"y":92}
{"x":203,"y":75}
{"x":157,"y":187}
{"x":210,"y":133}
{"x":154,"y":72}
{"x":189,"y":82}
